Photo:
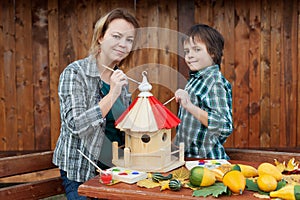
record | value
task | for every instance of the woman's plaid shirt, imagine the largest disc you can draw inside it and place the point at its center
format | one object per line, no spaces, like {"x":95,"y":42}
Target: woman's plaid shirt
{"x":82,"y":124}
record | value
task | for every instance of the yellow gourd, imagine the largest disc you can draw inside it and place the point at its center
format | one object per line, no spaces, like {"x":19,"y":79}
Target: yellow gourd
{"x":235,"y":181}
{"x":267,"y":183}
{"x":248,"y":171}
{"x":289,"y":192}
{"x":268,"y":168}
{"x":201,"y":176}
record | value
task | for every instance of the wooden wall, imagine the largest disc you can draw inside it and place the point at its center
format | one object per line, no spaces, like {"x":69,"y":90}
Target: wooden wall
{"x":39,"y":38}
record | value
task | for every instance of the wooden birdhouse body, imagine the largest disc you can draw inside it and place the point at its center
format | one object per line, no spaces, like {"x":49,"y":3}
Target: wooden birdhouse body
{"x":147,"y":125}
{"x":145,"y":144}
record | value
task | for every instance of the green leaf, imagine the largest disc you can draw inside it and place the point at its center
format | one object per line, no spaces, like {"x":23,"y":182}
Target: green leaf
{"x":252,"y":186}
{"x":280,"y":184}
{"x":214,"y":190}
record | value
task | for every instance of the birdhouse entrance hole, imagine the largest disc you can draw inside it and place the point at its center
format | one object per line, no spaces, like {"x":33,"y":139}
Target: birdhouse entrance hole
{"x":146,"y":138}
{"x":164,"y":137}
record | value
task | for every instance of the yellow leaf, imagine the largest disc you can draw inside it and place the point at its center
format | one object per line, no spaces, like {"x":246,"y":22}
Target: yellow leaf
{"x":292,"y":165}
{"x":280,"y":166}
{"x":147,"y":183}
{"x":181,"y":173}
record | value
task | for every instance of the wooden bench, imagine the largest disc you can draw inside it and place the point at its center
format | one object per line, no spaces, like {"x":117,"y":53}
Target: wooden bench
{"x":263,"y":155}
{"x":29,"y":176}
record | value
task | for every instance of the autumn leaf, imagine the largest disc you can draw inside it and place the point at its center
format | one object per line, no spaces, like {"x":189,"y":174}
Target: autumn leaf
{"x":181,"y":173}
{"x":147,"y":183}
{"x":215,"y":190}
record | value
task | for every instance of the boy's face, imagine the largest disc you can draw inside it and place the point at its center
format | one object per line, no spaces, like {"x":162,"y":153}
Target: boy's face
{"x":196,"y":55}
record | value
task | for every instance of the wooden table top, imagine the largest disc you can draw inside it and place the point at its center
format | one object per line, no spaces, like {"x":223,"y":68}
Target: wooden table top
{"x":93,"y":188}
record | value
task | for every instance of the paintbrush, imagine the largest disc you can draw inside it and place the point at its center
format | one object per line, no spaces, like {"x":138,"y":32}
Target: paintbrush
{"x":127,"y":76}
{"x":100,"y":170}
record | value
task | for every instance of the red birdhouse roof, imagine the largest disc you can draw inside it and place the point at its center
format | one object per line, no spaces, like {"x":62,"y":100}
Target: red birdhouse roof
{"x":147,"y":114}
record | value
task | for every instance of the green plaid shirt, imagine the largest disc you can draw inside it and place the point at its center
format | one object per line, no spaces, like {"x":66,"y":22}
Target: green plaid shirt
{"x":82,"y":124}
{"x":210,"y":91}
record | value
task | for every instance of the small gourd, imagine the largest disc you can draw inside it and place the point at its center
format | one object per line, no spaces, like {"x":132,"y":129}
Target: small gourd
{"x":175,"y":184}
{"x":156,"y":177}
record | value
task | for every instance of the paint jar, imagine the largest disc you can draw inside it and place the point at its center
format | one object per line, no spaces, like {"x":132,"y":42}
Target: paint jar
{"x":106,"y":177}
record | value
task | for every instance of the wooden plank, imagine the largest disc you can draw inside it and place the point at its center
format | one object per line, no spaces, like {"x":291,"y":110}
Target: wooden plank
{"x":2,"y":81}
{"x":24,"y":76}
{"x":41,"y":75}
{"x":254,"y":74}
{"x":152,"y":69}
{"x":33,"y":176}
{"x":186,"y":19}
{"x":84,"y":27}
{"x":241,"y":87}
{"x":54,"y":71}
{"x":167,"y":41}
{"x":298,"y":83}
{"x":289,"y":58}
{"x":204,"y":12}
{"x":219,"y":24}
{"x":228,"y":57}
{"x":25,"y":163}
{"x":275,"y":71}
{"x":265,"y":119}
{"x":66,"y":53}
{"x":261,"y":155}
{"x":34,"y":190}
{"x":10,"y":96}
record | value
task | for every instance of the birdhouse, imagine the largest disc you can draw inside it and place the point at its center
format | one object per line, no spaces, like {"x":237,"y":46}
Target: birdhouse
{"x":147,"y":125}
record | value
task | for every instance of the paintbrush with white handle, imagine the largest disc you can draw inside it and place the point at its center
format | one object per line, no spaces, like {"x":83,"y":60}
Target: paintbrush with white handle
{"x":127,"y":76}
{"x":100,"y":170}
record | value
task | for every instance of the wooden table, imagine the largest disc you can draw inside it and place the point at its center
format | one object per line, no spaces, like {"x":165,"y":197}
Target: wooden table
{"x":93,"y":188}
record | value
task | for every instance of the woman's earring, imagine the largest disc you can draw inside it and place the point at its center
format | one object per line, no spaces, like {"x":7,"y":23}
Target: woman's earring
{"x":99,"y":48}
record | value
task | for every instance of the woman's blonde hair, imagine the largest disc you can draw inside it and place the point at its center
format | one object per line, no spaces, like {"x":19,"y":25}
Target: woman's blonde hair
{"x":102,"y":25}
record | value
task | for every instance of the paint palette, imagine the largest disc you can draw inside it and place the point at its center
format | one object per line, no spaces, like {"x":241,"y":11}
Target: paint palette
{"x":127,"y":175}
{"x":210,"y":164}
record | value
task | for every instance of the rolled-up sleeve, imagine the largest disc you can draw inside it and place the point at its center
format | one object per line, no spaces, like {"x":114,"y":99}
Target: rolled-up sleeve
{"x":220,"y":110}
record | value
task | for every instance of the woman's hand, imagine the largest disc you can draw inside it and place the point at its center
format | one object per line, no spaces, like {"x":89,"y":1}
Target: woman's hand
{"x":117,"y":80}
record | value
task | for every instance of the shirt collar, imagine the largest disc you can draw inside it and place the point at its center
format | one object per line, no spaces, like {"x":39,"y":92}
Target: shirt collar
{"x":92,"y":69}
{"x":202,"y":72}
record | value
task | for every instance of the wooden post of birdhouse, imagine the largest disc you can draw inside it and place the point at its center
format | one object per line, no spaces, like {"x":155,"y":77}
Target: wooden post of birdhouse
{"x":181,"y":152}
{"x":115,"y":153}
{"x":126,"y":157}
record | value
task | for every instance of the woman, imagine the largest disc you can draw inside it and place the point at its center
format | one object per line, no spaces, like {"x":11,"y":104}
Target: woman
{"x":91,"y":98}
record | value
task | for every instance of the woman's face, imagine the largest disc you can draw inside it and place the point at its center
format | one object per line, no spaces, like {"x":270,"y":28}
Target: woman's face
{"x":117,"y":41}
{"x":196,"y":55}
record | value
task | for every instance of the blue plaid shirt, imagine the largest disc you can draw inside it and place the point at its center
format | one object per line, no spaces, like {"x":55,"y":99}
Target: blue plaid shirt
{"x":210,"y":91}
{"x":82,"y":124}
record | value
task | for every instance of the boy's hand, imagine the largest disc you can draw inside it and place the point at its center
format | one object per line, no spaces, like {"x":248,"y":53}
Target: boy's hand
{"x":183,"y":98}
